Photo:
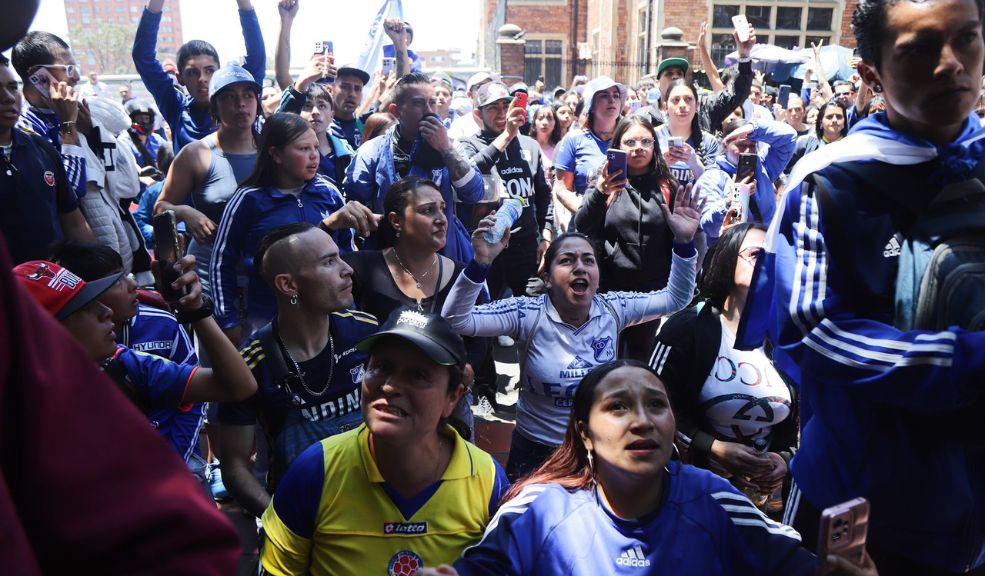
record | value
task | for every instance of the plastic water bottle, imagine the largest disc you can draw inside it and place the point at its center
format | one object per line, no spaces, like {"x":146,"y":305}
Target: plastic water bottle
{"x":508,"y":213}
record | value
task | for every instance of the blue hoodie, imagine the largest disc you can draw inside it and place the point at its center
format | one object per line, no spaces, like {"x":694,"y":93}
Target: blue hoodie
{"x":881,"y":408}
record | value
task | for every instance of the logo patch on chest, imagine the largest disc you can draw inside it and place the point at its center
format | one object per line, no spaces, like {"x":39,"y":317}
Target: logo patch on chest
{"x":405,"y":528}
{"x":404,"y":563}
{"x":603,"y":349}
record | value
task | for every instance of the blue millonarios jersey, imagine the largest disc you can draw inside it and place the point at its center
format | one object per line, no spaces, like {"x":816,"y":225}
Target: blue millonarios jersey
{"x":702,"y":527}
{"x":155,"y":331}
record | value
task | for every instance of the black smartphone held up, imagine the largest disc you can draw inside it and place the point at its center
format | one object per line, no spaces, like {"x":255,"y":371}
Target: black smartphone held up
{"x":747,"y":167}
{"x":167,"y":251}
{"x":842,"y":532}
{"x":784,"y":97}
{"x":617,"y":162}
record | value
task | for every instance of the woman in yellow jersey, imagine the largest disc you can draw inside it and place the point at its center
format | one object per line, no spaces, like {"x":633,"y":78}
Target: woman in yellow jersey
{"x":401,"y":491}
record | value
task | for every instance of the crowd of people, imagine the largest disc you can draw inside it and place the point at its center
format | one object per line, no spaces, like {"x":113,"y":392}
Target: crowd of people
{"x":730,"y":313}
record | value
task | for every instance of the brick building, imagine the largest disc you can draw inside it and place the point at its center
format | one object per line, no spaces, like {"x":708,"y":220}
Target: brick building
{"x":101,"y":32}
{"x":625,"y":39}
{"x":549,"y":45}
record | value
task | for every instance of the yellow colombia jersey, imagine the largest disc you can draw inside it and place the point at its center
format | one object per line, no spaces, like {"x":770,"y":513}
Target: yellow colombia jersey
{"x":333,"y":513}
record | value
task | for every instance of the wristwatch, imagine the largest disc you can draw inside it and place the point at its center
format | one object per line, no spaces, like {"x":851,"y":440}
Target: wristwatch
{"x":190,"y":316}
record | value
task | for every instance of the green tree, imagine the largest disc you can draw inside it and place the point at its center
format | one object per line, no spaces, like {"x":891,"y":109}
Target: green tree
{"x":106,"y":44}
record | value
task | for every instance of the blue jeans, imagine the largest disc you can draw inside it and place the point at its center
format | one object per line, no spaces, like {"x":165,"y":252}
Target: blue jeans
{"x":525,"y":456}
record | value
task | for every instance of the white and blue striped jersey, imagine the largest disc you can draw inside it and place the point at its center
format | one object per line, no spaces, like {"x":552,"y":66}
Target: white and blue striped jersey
{"x":703,"y":526}
{"x":555,"y":355}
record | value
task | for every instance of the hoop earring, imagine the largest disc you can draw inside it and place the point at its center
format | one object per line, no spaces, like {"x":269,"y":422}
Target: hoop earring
{"x":294,"y":299}
{"x":677,"y":452}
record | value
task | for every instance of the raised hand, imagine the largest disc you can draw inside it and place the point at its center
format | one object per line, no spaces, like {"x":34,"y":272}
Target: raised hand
{"x":683,"y":220}
{"x":485,"y":252}
{"x":288,"y":9}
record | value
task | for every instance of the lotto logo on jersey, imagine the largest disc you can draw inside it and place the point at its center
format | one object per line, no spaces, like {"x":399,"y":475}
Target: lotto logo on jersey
{"x":633,"y":557}
{"x":405,"y":528}
{"x":404,"y":563}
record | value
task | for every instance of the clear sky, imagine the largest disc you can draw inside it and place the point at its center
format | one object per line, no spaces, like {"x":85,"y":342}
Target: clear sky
{"x":451,"y":24}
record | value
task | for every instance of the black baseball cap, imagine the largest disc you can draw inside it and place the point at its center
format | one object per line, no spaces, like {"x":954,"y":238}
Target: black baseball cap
{"x":429,"y":332}
{"x":353,"y":70}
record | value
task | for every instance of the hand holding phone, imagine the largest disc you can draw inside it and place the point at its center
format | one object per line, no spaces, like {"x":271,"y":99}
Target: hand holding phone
{"x":842,"y":532}
{"x":167,"y":251}
{"x":741,"y":27}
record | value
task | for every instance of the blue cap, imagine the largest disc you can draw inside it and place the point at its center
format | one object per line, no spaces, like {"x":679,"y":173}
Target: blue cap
{"x":231,"y":73}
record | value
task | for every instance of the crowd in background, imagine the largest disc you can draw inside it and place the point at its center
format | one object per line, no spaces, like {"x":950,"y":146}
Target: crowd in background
{"x":719,"y":297}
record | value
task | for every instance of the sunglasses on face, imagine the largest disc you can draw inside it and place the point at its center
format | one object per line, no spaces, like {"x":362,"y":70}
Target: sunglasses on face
{"x":71,"y":70}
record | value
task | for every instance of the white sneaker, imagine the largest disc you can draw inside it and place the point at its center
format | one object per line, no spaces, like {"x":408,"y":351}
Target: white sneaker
{"x":505,"y":341}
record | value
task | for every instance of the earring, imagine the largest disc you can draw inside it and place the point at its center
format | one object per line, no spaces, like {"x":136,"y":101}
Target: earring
{"x":591,"y":464}
{"x":294,"y":299}
{"x":677,"y":452}
{"x":398,"y":233}
{"x":877,"y":88}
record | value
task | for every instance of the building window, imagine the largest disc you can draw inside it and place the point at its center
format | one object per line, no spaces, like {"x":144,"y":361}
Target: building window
{"x":793,"y":25}
{"x":643,"y":33}
{"x":543,"y":57}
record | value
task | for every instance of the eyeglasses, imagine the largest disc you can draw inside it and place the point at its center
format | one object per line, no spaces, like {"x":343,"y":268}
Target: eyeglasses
{"x":71,"y":70}
{"x":632,"y":142}
{"x":752,"y":254}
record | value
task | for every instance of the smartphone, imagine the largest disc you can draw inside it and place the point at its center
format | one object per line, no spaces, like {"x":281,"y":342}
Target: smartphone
{"x":675,"y":142}
{"x":520,"y":100}
{"x":388,"y":65}
{"x":740,"y":198}
{"x":747,"y":167}
{"x":617,"y":161}
{"x":784,"y":96}
{"x":41,"y":80}
{"x":325,"y":48}
{"x":741,"y":27}
{"x":167,"y":251}
{"x":634,"y":106}
{"x":842,"y":532}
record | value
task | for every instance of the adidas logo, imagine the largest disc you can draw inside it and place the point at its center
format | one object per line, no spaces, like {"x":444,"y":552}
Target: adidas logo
{"x":892,"y":248}
{"x":633,"y":557}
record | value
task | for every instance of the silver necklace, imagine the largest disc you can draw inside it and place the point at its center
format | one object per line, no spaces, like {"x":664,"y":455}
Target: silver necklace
{"x":299,"y":375}
{"x":417,"y":280}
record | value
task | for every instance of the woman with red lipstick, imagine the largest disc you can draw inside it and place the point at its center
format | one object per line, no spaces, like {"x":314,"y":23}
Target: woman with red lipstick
{"x":687,"y":149}
{"x":611,"y":500}
{"x":564,"y":333}
{"x":284,"y":188}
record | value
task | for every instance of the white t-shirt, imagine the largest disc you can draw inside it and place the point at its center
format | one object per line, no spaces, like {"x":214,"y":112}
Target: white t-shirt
{"x":744,"y":397}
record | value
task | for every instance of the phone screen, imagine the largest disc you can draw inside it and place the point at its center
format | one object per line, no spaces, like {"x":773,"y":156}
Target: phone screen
{"x":784,"y":97}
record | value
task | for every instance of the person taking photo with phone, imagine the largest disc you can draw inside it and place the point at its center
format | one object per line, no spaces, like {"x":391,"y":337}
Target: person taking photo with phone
{"x":622,"y":213}
{"x":772,"y":144}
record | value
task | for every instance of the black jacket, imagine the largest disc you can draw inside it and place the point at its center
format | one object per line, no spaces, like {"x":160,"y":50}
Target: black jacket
{"x":634,"y":240}
{"x":693,"y":337}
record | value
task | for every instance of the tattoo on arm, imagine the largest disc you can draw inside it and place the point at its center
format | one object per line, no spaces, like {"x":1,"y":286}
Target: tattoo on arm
{"x":458,"y":167}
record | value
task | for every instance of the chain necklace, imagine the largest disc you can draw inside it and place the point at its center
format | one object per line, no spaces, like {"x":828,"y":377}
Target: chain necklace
{"x":417,"y":280}
{"x":298,"y":375}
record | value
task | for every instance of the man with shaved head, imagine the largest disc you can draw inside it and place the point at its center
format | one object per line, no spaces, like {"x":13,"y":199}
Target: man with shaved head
{"x":307,"y":369}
